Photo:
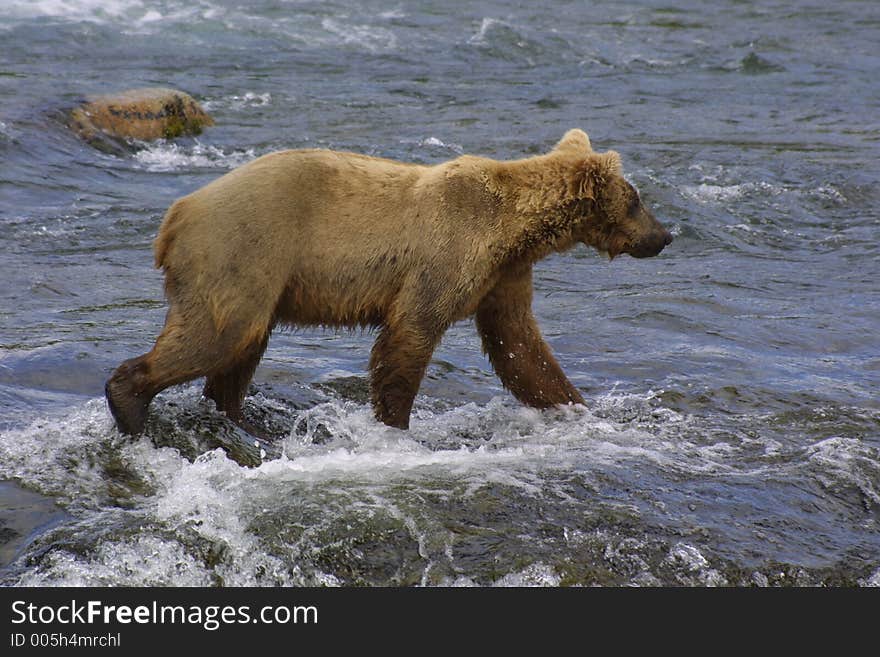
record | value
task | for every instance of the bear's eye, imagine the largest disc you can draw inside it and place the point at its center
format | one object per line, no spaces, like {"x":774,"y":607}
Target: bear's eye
{"x":634,"y":204}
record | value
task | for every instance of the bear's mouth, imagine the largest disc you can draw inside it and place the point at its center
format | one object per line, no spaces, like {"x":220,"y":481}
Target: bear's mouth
{"x":610,"y":250}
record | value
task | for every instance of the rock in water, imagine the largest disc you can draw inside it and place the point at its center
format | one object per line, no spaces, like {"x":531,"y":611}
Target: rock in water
{"x":145,"y":114}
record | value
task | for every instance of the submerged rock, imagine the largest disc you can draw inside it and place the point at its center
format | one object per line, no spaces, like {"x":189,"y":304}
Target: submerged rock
{"x":145,"y":114}
{"x":24,"y":515}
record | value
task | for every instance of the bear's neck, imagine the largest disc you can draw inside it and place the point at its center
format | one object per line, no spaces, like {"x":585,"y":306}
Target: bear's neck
{"x":540,"y":215}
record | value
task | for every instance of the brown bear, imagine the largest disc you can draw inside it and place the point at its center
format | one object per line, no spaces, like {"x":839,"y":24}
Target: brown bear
{"x":325,"y":238}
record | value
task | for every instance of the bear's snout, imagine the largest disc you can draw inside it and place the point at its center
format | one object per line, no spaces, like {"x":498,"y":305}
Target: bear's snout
{"x":652,"y":244}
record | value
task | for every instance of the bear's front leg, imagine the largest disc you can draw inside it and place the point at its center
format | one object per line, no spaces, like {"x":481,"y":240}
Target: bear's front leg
{"x":398,"y":362}
{"x":513,"y":342}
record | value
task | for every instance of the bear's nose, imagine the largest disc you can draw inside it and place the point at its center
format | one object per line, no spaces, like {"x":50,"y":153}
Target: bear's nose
{"x":667,"y":239}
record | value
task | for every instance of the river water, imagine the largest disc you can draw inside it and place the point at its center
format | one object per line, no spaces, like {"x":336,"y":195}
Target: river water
{"x":732,"y":428}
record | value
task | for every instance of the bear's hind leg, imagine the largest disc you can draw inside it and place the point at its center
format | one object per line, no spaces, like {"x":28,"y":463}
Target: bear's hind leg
{"x":128,"y":395}
{"x":187,"y":349}
{"x":227,"y":388}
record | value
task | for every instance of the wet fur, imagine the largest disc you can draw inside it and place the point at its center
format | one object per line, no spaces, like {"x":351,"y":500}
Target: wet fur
{"x":323,"y":238}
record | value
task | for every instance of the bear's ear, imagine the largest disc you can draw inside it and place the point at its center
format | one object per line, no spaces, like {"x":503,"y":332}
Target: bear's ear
{"x":586,"y":177}
{"x":608,"y":164}
{"x":575,"y":140}
{"x":581,"y":182}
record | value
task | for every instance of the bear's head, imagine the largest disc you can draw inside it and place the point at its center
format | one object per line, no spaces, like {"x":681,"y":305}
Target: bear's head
{"x":608,"y":212}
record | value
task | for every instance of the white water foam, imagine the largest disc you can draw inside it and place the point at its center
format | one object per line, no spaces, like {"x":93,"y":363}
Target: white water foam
{"x":371,"y":38}
{"x":392,"y":14}
{"x":873,"y":580}
{"x":130,"y":15}
{"x":651,"y":62}
{"x":494,"y":30}
{"x":506,"y":40}
{"x":56,"y":444}
{"x":151,"y":16}
{"x":500,"y":441}
{"x":707,"y":193}
{"x":433,"y":142}
{"x":247,"y":100}
{"x":849,"y":462}
{"x":692,"y":568}
{"x":488,"y":25}
{"x":361,"y":470}
{"x":168,"y":156}
{"x":83,"y":10}
{"x":537,"y":574}
{"x":141,"y":561}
